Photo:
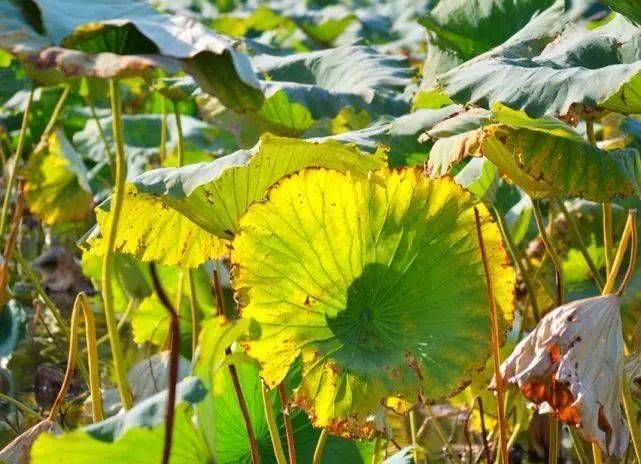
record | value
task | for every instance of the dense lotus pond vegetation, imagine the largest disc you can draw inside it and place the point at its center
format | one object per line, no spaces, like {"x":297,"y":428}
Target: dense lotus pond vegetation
{"x":381,"y":232}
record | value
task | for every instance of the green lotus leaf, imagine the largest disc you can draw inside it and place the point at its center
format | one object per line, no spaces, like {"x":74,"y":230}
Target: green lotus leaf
{"x":124,"y":38}
{"x":459,"y":30}
{"x":136,"y":437}
{"x":545,"y":157}
{"x":596,"y":68}
{"x":216,"y":195}
{"x":306,"y":87}
{"x":377,"y":283}
{"x":629,"y":8}
{"x":398,"y":137}
{"x":57,"y":187}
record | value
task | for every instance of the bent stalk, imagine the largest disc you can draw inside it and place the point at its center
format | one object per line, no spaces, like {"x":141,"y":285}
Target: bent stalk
{"x":174,"y":353}
{"x":107,"y":262}
{"x":556,"y":260}
{"x":14,"y":168}
{"x":81,"y":305}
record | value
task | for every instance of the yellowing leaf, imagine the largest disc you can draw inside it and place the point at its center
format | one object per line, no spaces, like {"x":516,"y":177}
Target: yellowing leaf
{"x":57,"y":189}
{"x":376,"y":282}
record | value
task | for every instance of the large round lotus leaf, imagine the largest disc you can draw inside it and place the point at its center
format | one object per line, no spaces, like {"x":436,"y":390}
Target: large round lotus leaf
{"x":377,"y":282}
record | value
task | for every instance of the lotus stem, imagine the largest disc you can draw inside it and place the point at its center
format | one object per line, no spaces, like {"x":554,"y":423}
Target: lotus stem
{"x":413,"y":435}
{"x":556,"y":260}
{"x":630,"y":415}
{"x":633,"y":258}
{"x":569,"y":217}
{"x":441,"y":434}
{"x":606,"y":207}
{"x":107,"y":262}
{"x":377,"y":450}
{"x":20,"y":405}
{"x":14,"y":169}
{"x":511,"y":248}
{"x":320,"y":447}
{"x":271,"y":424}
{"x":577,"y":444}
{"x":253,"y":444}
{"x":81,"y":305}
{"x":174,"y":354}
{"x":193,"y":307}
{"x":179,"y":130}
{"x":35,"y":281}
{"x":163,"y":129}
{"x":101,"y":134}
{"x":553,"y":454}
{"x":596,"y":454}
{"x":287,"y":418}
{"x":55,"y":114}
{"x":628,"y":232}
{"x":496,"y":349}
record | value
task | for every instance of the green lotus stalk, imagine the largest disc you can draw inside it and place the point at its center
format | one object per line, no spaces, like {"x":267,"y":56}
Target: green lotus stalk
{"x":193,"y":307}
{"x":413,"y":436}
{"x":569,"y":217}
{"x":608,"y":240}
{"x":271,"y":424}
{"x":377,"y":450}
{"x":320,"y":447}
{"x":20,"y":405}
{"x":81,"y":305}
{"x":496,"y":349}
{"x":53,"y":119}
{"x":287,"y":418}
{"x":179,"y":130}
{"x":525,"y":275}
{"x":163,"y":129}
{"x":556,"y":260}
{"x":233,"y":373}
{"x":14,"y":169}
{"x":107,"y":262}
{"x":101,"y":133}
{"x":441,"y":434}
{"x":577,"y":444}
{"x":553,"y":455}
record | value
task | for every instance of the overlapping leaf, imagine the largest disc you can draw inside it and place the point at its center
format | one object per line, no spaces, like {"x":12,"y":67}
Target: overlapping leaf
{"x":543,"y":156}
{"x":364,"y":279}
{"x":146,"y":38}
{"x":580,"y":69}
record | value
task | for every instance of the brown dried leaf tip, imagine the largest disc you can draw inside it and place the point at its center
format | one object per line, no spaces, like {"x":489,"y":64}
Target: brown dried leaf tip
{"x":571,"y":364}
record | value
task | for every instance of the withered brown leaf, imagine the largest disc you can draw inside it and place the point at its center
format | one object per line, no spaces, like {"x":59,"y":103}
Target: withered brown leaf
{"x":571,"y":364}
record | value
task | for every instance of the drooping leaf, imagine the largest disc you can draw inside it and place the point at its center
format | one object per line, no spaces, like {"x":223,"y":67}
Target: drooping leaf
{"x":57,"y":187}
{"x":342,"y":271}
{"x":545,"y":157}
{"x":120,"y":38}
{"x":572,"y":364}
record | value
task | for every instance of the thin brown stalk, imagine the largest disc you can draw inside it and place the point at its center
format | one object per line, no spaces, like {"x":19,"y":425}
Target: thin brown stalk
{"x":496,"y":349}
{"x":174,"y":353}
{"x":253,"y":444}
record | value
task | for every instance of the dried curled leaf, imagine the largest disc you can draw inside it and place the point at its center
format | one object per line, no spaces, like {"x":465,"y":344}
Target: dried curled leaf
{"x":572,"y":364}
